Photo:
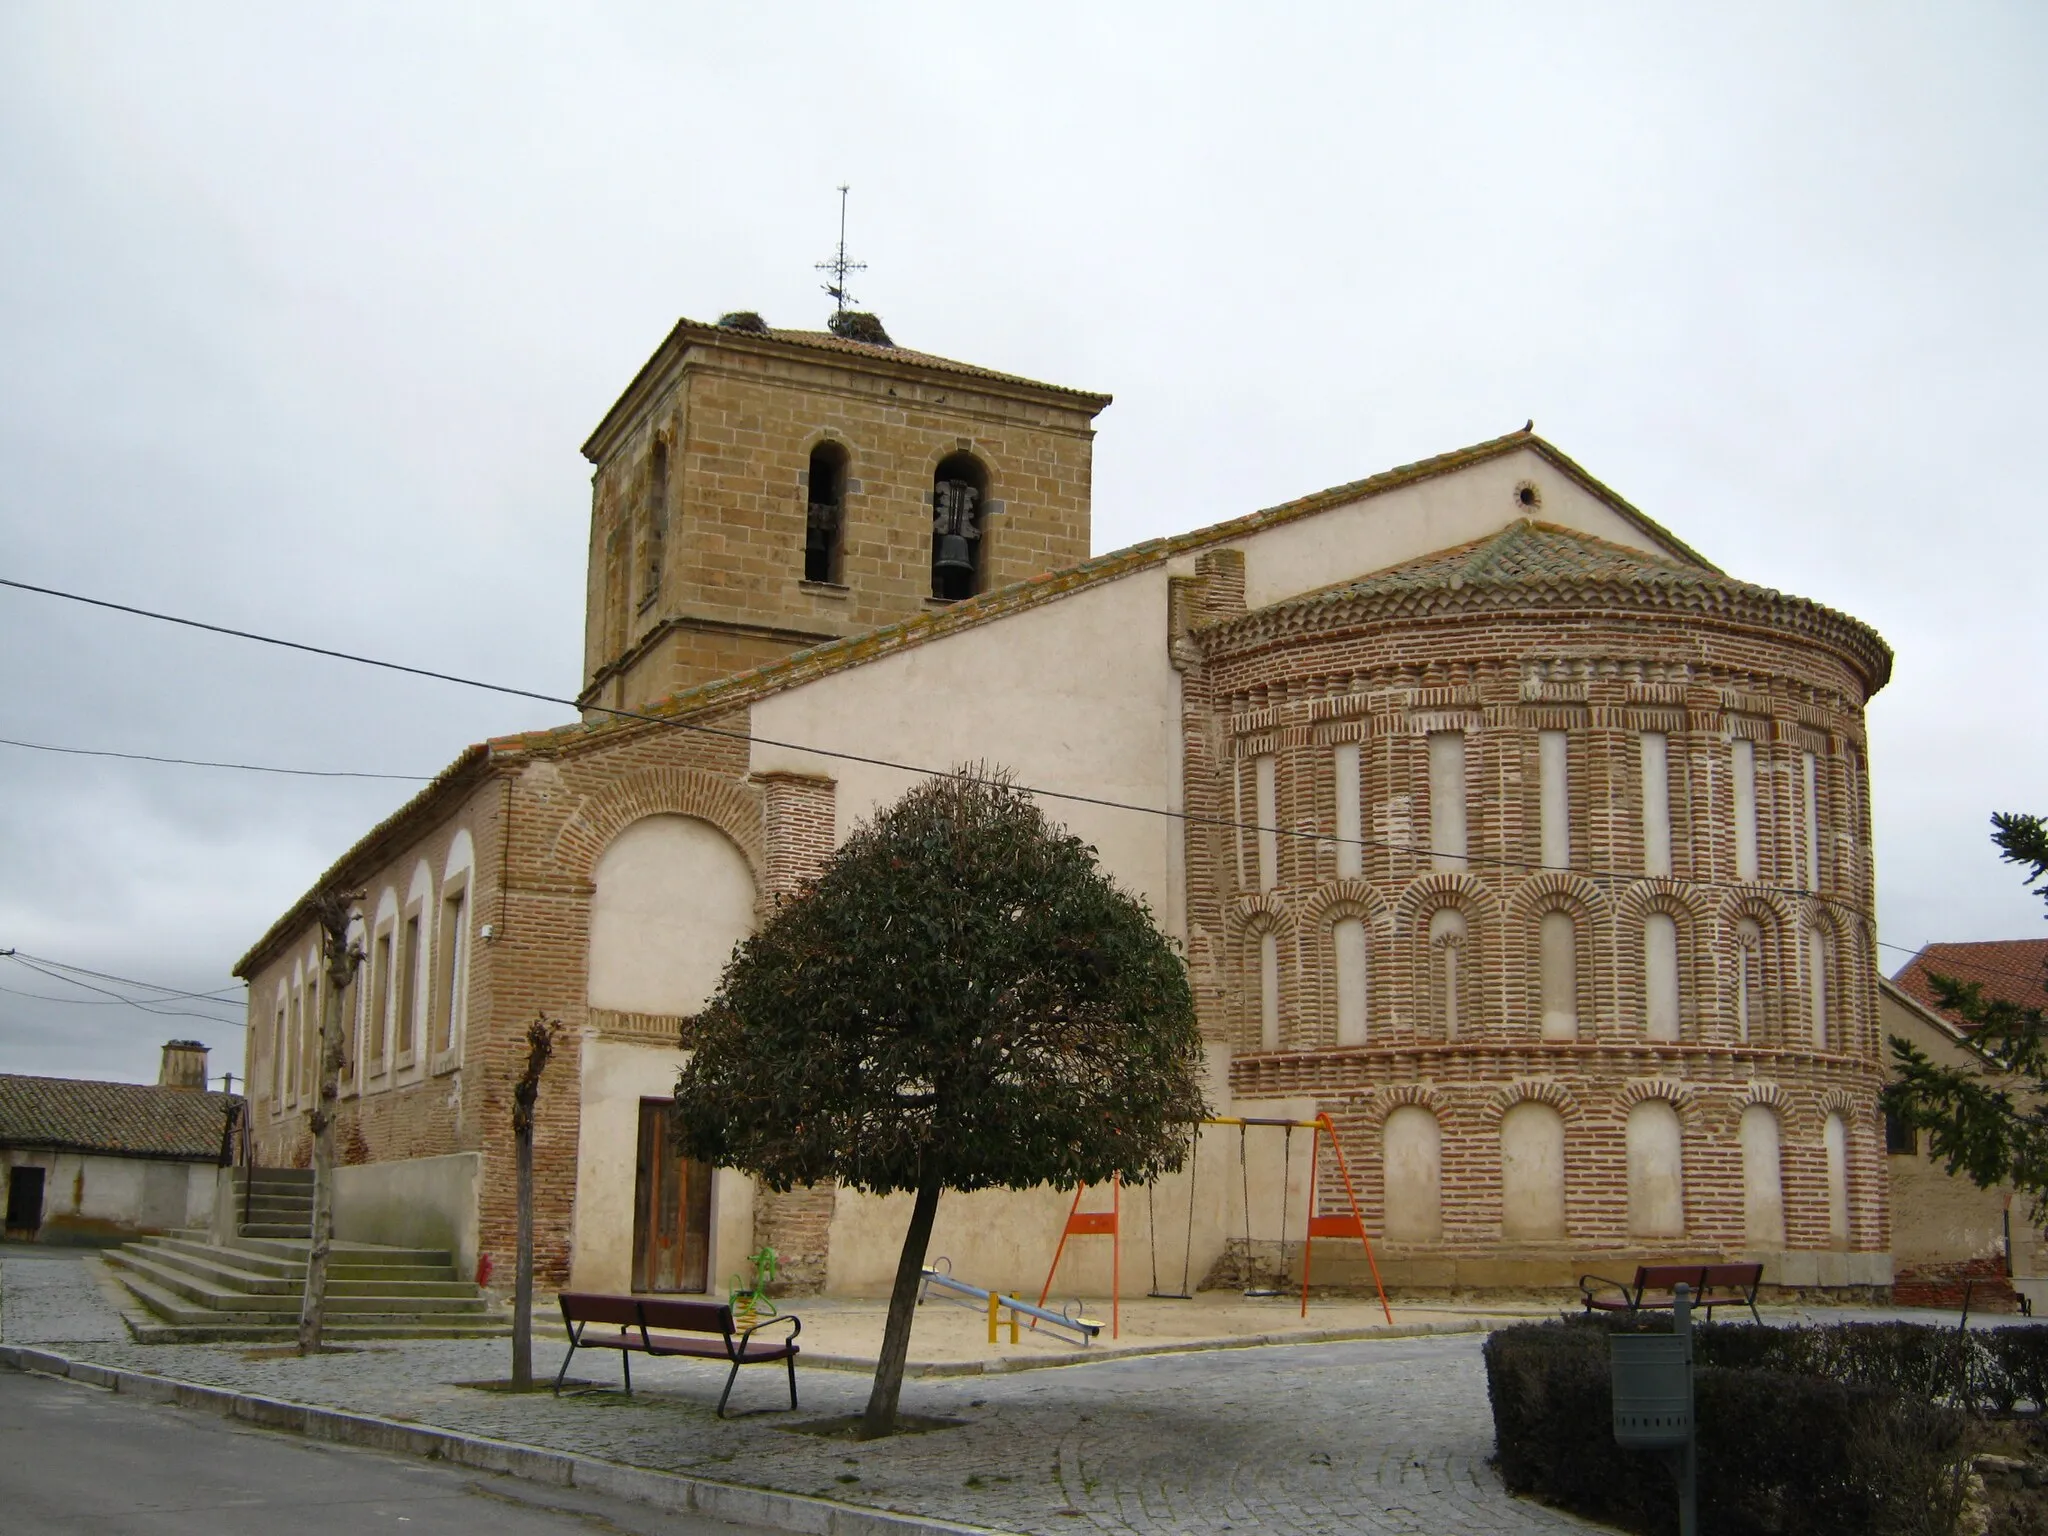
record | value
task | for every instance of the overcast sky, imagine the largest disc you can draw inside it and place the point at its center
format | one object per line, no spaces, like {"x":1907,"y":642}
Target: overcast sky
{"x":305,"y":311}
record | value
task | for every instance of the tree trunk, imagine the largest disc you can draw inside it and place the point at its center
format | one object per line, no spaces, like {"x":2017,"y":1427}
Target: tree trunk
{"x":880,"y":1417}
{"x":522,"y":1279}
{"x":340,"y":964}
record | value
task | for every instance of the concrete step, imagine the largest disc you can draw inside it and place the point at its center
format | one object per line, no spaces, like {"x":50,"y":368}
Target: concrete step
{"x":177,"y":1321}
{"x":216,"y":1296}
{"x":225,"y":1267}
{"x":347,"y":1253}
{"x":344,"y":1263}
{"x":274,"y":1176}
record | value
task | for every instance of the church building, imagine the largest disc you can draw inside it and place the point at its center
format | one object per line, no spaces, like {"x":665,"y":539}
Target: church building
{"x":1494,"y":822}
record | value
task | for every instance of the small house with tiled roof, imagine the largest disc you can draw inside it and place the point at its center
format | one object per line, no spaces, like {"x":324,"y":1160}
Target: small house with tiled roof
{"x":88,"y":1162}
{"x":1495,"y":822}
{"x":2014,"y":970}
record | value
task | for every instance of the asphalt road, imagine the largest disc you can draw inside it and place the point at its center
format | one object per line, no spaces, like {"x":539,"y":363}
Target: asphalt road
{"x":78,"y":1459}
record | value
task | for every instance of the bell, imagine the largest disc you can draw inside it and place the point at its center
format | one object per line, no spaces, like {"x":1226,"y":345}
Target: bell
{"x":954,"y":556}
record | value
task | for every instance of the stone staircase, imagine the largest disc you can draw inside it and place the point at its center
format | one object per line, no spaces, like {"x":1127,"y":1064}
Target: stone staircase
{"x":193,"y":1290}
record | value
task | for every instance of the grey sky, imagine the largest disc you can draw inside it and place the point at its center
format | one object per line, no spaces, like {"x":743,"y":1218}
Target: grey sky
{"x":304,"y":312}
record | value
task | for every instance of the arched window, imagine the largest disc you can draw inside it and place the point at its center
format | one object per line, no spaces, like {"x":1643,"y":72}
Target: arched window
{"x":1749,"y":980}
{"x":1559,"y":943}
{"x":1763,"y":1180}
{"x":1347,"y":937}
{"x":1447,"y":960}
{"x":825,"y":521}
{"x":1656,"y":1171}
{"x":1412,"y":1155}
{"x":657,"y":522}
{"x":1532,"y":1171}
{"x":1835,"y":1142}
{"x":674,"y":895}
{"x":1269,"y":991}
{"x":959,"y":505}
{"x":1660,"y":976}
{"x":1818,"y":959}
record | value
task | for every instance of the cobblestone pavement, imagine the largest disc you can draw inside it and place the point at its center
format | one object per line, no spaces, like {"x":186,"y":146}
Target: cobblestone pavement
{"x":1379,"y":1436}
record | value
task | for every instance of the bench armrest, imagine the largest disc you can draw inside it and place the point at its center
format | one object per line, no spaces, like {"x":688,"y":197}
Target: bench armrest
{"x":745,"y":1335}
{"x":1588,"y":1284}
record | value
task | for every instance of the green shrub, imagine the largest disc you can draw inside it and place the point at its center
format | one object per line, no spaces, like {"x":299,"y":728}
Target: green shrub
{"x":1779,"y":1450}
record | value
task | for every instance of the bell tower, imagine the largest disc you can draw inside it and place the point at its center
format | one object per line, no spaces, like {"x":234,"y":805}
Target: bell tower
{"x":759,"y":491}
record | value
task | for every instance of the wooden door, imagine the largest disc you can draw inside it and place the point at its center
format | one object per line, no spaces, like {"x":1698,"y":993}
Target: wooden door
{"x":671,"y":1210}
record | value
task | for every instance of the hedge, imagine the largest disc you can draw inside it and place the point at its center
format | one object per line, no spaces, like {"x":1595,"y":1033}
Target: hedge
{"x":1821,"y":1431}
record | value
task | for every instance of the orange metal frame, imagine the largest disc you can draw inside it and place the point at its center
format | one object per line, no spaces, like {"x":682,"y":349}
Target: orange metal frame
{"x":1108,"y":1223}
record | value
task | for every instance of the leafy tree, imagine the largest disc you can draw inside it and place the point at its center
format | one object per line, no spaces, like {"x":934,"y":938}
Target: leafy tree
{"x":961,"y":1000}
{"x":1988,"y":1120}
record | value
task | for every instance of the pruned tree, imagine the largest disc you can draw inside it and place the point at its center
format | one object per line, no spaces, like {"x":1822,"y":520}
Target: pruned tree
{"x":1987,"y":1120}
{"x":540,"y":1045}
{"x":961,"y":1000}
{"x":339,"y":959}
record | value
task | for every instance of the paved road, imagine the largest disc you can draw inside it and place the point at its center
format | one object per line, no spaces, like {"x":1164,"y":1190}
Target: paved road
{"x":1378,"y":1439}
{"x":76,"y":1459}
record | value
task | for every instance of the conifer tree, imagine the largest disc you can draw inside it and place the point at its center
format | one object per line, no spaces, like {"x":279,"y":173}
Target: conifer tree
{"x":961,"y":1001}
{"x":1988,"y":1120}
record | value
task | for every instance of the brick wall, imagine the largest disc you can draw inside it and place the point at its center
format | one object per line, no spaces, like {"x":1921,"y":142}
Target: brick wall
{"x":1604,"y":672}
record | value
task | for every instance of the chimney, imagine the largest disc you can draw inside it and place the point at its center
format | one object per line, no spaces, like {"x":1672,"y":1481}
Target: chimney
{"x":184,"y":1065}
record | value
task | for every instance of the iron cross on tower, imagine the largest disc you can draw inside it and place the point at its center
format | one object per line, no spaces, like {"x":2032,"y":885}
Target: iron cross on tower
{"x":839,"y":266}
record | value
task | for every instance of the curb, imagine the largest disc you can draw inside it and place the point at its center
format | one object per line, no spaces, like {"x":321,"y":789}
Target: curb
{"x":675,"y":1492}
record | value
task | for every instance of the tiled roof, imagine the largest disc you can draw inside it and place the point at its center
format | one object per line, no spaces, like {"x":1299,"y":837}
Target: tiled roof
{"x":131,"y":1119}
{"x":1530,"y":553}
{"x":2013,"y":969}
{"x":827,"y":342}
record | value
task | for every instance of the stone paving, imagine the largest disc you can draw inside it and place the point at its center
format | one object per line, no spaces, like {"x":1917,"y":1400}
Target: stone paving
{"x":1377,"y":1436}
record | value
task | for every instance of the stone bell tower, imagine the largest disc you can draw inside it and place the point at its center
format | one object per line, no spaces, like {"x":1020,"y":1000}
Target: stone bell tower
{"x":759,"y":491}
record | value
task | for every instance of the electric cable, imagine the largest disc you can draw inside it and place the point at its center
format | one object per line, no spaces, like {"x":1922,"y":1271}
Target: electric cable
{"x":199,"y":762}
{"x":1594,"y":875}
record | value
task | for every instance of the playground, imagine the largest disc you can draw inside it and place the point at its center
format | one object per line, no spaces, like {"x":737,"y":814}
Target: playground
{"x":951,"y":1338}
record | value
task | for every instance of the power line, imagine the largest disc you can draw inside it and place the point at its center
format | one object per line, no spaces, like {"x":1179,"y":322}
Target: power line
{"x":126,"y":981}
{"x":1597,"y":876}
{"x":197,"y":762}
{"x":140,"y":1004}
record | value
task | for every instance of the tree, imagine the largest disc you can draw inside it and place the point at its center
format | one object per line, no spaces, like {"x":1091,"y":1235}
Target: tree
{"x":339,"y":960}
{"x":1988,"y":1120}
{"x":961,"y":1000}
{"x":540,"y":1045}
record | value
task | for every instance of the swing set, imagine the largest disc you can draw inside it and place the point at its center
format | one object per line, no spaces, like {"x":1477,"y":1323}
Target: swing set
{"x":1109,"y":1223}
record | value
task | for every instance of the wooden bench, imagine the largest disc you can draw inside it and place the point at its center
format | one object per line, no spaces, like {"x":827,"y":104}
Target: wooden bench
{"x":1713,"y":1285}
{"x":658,"y":1325}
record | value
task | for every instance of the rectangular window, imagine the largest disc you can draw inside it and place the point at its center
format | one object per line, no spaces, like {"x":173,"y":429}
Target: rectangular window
{"x":447,"y":969}
{"x":1656,"y":750}
{"x":295,"y":1077}
{"x":409,"y":957}
{"x":280,"y":1054}
{"x":380,"y":1001}
{"x":1556,"y":791}
{"x":1447,"y":798}
{"x":1350,"y":820}
{"x":1900,"y":1139}
{"x":1810,"y":798}
{"x":1266,"y":804}
{"x":309,"y":1082}
{"x":1743,"y":754}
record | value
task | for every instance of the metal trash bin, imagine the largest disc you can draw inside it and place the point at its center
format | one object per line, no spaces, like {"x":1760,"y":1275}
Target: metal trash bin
{"x":1652,"y":1390}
